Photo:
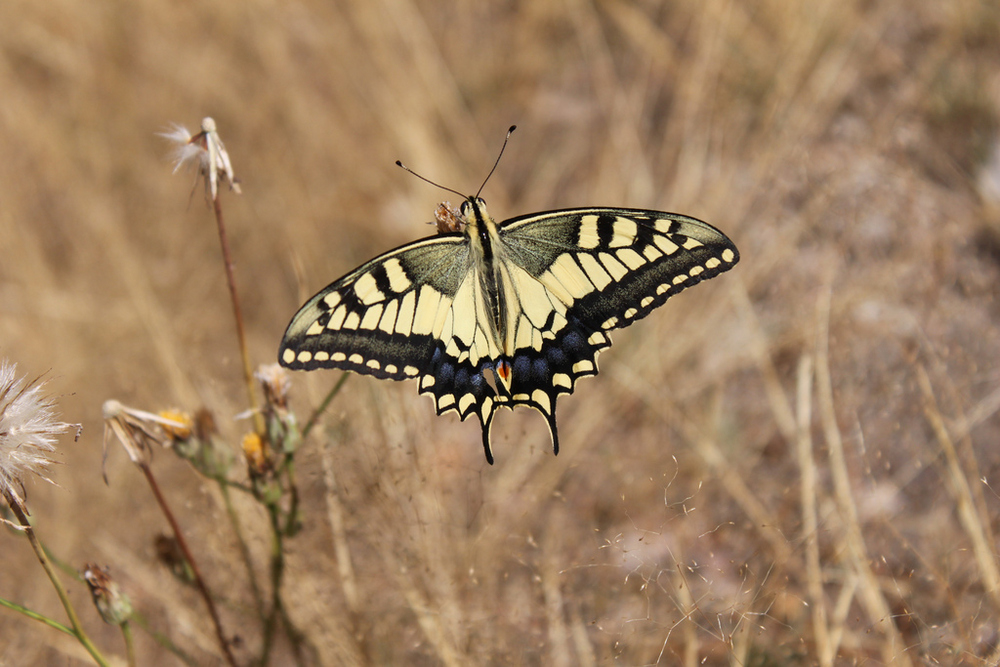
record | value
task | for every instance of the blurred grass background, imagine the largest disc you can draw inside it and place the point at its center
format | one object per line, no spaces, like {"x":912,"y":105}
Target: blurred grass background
{"x":796,"y":463}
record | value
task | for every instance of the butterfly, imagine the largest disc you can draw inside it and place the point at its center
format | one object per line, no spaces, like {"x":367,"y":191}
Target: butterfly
{"x":488,"y":315}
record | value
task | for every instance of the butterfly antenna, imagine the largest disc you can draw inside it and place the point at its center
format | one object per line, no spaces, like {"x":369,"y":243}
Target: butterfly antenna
{"x":427,"y":180}
{"x":509,"y":132}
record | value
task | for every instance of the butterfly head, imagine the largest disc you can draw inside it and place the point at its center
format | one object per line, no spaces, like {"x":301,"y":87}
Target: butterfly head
{"x":474,"y":214}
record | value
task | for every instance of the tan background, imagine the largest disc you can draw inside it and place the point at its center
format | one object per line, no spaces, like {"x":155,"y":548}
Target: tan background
{"x":846,"y":149}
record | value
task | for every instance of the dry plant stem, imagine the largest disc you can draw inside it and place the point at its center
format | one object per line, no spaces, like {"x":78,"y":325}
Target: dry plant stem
{"x":129,"y":644}
{"x":234,"y":519}
{"x":36,"y":616}
{"x":277,"y":570}
{"x":258,"y":418}
{"x":324,"y":405}
{"x":78,"y":630}
{"x":277,"y":612}
{"x":870,"y":593}
{"x":807,"y":465}
{"x":291,"y":518}
{"x":959,"y":485}
{"x":199,"y":581}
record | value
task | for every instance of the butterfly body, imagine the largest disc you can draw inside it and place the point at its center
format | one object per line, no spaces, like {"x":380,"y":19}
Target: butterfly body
{"x":499,"y":315}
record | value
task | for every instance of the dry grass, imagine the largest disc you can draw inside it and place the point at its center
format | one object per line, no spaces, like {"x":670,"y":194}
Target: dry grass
{"x":795,"y":463}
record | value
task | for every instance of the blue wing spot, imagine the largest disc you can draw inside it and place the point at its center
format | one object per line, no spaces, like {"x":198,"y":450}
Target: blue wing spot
{"x":557,"y":357}
{"x":540,"y":373}
{"x":521,"y":367}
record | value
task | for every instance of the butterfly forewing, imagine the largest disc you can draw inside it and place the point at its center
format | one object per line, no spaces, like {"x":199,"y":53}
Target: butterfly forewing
{"x":379,"y":319}
{"x":613,"y":266}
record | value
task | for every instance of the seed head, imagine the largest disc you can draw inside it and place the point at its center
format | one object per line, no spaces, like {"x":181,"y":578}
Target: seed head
{"x":28,"y":432}
{"x":206,"y":151}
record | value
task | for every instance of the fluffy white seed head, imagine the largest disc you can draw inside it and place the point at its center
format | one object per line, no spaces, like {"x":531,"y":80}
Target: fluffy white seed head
{"x":29,"y":428}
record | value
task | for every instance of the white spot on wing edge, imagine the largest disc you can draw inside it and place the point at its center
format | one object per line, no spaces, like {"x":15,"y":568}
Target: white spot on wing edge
{"x":305,"y":356}
{"x":728,"y":256}
{"x":465,"y":403}
{"x":542,"y":399}
{"x":288,"y":356}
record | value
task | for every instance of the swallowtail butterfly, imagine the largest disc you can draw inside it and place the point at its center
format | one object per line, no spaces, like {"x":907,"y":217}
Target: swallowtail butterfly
{"x":487,"y":316}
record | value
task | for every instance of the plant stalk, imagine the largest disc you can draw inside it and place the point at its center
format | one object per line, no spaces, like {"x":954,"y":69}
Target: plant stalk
{"x":74,"y":620}
{"x":199,"y":581}
{"x":258,"y":418}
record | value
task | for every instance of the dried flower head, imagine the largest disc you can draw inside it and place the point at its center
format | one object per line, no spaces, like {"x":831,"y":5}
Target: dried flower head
{"x":282,"y":426}
{"x":448,"y":219}
{"x":172,"y":419}
{"x":260,"y":459}
{"x":136,"y":430}
{"x":275,"y":382}
{"x":206,"y":151}
{"x":114,"y":606}
{"x":28,"y":431}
